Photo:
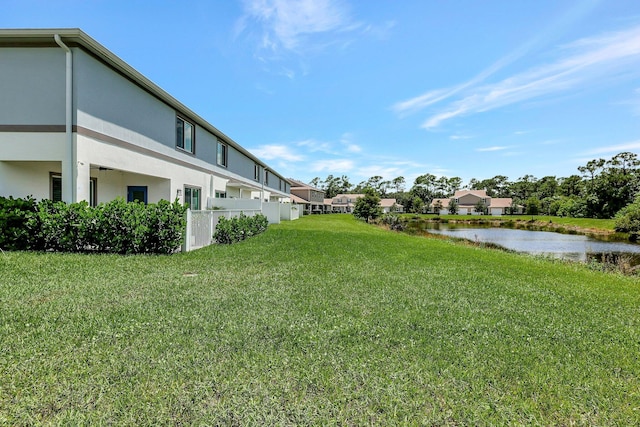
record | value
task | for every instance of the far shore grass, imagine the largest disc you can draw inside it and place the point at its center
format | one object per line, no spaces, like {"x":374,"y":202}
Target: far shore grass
{"x":594,"y":225}
{"x":321,"y":321}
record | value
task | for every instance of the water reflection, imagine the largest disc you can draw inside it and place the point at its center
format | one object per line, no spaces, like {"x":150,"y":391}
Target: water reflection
{"x":568,"y":246}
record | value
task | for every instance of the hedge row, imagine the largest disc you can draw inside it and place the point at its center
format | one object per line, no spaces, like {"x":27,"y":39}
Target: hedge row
{"x":239,"y":228}
{"x":116,"y":226}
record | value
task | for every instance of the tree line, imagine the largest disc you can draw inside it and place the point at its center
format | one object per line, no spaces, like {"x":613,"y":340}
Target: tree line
{"x":600,"y":189}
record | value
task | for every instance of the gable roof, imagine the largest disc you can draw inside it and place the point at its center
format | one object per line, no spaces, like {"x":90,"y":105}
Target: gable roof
{"x":501,"y":202}
{"x":479,"y":193}
{"x":299,"y":184}
{"x":387,"y":203}
{"x":299,"y":200}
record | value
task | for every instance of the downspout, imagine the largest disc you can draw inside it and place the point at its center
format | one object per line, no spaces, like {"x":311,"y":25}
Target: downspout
{"x":70,"y":184}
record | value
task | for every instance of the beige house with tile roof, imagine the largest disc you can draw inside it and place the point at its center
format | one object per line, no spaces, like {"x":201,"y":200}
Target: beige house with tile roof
{"x":345,"y":203}
{"x":467,"y":201}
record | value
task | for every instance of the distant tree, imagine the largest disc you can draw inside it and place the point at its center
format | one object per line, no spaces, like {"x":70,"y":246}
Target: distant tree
{"x":480,"y":207}
{"x":368,"y":206}
{"x":571,"y":186}
{"x":524,"y":187}
{"x":398,"y":183}
{"x":627,"y":220}
{"x":453,"y":185}
{"x":453,"y":207}
{"x":498,"y":186}
{"x":437,"y":207}
{"x":425,"y":187}
{"x":417,"y":204}
{"x":574,"y":207}
{"x":532,"y":206}
{"x":334,"y":185}
{"x":547,"y":187}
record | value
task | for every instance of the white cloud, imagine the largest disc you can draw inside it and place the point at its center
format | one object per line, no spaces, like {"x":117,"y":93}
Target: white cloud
{"x":333,"y":166}
{"x":584,"y":62}
{"x":615,"y":149}
{"x":494,"y":148}
{"x":456,"y":137}
{"x":286,"y":23}
{"x":313,"y":146}
{"x":350,"y":146}
{"x":386,"y":172}
{"x":279,"y":152}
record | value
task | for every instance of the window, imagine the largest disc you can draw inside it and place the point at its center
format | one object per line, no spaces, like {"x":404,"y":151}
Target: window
{"x":221,"y":194}
{"x":192,"y":198}
{"x":280,"y":185}
{"x":221,"y":154}
{"x":185,"y":137}
{"x":256,"y":172}
{"x":266,"y":178}
{"x":55,"y":187}
{"x":137,"y":193}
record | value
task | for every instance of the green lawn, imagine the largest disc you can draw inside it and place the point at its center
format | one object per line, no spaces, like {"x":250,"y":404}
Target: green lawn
{"x":323,"y":321}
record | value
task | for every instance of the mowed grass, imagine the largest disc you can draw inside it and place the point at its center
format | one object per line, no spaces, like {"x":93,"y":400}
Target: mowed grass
{"x":320,"y":321}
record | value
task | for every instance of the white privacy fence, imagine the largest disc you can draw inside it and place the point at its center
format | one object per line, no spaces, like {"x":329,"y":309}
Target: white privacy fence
{"x":201,"y":224}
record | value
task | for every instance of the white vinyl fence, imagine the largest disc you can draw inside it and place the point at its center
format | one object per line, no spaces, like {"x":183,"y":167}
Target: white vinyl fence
{"x":202,"y":224}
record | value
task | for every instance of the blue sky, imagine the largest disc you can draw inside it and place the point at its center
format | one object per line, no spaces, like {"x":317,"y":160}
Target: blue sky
{"x":393,"y":88}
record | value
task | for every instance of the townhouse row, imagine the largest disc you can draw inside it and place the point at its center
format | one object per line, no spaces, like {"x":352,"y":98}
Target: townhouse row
{"x":78,"y":123}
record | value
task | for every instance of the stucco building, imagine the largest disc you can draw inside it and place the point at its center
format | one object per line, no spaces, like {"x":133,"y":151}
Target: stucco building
{"x":78,"y":123}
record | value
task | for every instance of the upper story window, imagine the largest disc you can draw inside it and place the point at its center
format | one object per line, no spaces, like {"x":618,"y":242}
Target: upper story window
{"x":221,"y":154}
{"x":185,"y":135}
{"x":266,"y":178}
{"x":256,"y":172}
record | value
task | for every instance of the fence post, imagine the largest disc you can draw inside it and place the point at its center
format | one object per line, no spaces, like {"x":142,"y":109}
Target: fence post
{"x":186,"y":245}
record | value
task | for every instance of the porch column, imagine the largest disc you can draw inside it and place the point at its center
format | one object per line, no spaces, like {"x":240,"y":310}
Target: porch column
{"x":82,"y":182}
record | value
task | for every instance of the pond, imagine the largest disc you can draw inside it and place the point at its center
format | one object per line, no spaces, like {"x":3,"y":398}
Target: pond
{"x":567,"y":246}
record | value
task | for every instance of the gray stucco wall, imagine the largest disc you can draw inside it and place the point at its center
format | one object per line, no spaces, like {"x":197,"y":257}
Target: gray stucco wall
{"x":240,"y":164}
{"x":104,"y":94}
{"x":32,"y":92}
{"x":32,"y":86}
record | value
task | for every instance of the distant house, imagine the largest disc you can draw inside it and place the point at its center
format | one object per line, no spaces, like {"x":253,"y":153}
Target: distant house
{"x":345,"y":203}
{"x":310,"y":197}
{"x":78,"y":123}
{"x":469,"y":202}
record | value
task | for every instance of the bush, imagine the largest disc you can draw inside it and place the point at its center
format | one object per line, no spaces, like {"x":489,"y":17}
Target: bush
{"x":117,"y":227}
{"x":61,"y":227}
{"x":14,"y":215}
{"x":393,"y":221}
{"x":627,"y":220}
{"x":239,"y":228}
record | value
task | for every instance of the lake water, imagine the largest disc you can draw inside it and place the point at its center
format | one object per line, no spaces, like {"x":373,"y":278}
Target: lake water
{"x":568,"y":246}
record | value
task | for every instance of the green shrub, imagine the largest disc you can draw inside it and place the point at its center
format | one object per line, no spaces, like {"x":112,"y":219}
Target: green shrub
{"x":14,"y":216}
{"x":239,"y":228}
{"x":393,"y":221}
{"x":64,"y":228}
{"x":165,"y":226}
{"x":116,"y":226}
{"x":627,"y":220}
